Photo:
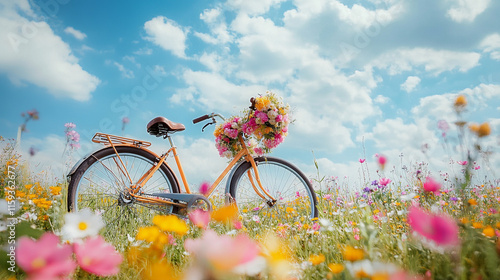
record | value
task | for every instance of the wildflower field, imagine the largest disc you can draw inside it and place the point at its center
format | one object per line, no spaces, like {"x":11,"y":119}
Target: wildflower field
{"x":413,"y":225}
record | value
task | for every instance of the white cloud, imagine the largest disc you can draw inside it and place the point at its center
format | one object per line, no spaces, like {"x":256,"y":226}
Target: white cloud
{"x":410,"y":84}
{"x":491,"y":45}
{"x":467,"y":10}
{"x":215,"y":20}
{"x":126,"y":73}
{"x":76,"y":33}
{"x":380,"y":99}
{"x":32,"y":53}
{"x":434,"y":61}
{"x":167,"y":34}
{"x":213,"y":91}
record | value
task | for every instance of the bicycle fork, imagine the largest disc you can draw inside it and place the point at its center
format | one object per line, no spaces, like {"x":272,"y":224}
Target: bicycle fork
{"x":270,"y":200}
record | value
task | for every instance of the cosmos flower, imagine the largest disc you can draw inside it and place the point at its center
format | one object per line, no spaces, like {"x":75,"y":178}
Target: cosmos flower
{"x":199,"y":218}
{"x":431,"y":185}
{"x":438,"y":228}
{"x":81,"y":224}
{"x":222,"y":253}
{"x":45,"y":258}
{"x":98,"y":257}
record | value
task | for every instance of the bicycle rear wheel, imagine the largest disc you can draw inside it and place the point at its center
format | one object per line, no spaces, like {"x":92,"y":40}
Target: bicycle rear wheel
{"x":100,"y":183}
{"x":292,"y":190}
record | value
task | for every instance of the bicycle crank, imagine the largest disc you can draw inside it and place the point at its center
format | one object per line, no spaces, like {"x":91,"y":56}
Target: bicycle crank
{"x":193,"y":201}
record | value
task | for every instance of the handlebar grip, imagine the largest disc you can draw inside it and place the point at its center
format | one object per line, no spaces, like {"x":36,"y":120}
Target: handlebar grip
{"x":202,"y":118}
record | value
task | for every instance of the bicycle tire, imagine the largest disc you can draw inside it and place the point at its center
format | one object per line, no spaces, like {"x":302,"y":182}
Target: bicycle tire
{"x":285,"y":182}
{"x":100,"y":175}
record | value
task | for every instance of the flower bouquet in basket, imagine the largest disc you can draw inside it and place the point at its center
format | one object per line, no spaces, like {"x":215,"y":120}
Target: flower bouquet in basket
{"x":263,"y":127}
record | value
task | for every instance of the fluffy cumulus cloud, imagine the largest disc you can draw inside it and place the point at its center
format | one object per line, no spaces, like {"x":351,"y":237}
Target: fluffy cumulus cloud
{"x":167,"y":34}
{"x":410,"y":84}
{"x":32,"y":53}
{"x":466,"y":10}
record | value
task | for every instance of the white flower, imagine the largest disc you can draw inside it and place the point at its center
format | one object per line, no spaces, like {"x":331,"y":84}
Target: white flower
{"x":81,"y":224}
{"x":256,"y":219}
{"x":326,"y":225}
{"x":27,"y":216}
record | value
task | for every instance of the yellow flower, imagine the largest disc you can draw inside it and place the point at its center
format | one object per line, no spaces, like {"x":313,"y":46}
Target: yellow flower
{"x":171,"y":223}
{"x":29,"y":186}
{"x":317,"y":259}
{"x":261,"y":103}
{"x":159,"y":270}
{"x":225,"y":214}
{"x":55,"y":190}
{"x":353,"y":254}
{"x":336,"y":268}
{"x":148,"y":234}
{"x":484,"y":130}
{"x":472,"y":201}
{"x":489,"y":231}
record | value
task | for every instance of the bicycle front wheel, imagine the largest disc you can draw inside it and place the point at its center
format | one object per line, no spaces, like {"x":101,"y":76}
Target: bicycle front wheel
{"x":290,"y":188}
{"x":102,"y":181}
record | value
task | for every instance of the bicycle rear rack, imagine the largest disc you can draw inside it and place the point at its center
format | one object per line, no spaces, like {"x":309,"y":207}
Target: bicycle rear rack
{"x":108,"y":139}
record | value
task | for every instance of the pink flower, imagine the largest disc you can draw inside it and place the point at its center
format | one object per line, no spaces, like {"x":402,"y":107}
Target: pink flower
{"x":222,"y":253}
{"x":382,"y":160}
{"x":70,"y":125}
{"x":443,"y":126}
{"x":316,"y":227}
{"x":199,"y":218}
{"x":45,"y":258}
{"x":205,"y":187}
{"x":462,"y":162}
{"x":384,"y":181}
{"x":431,"y":185}
{"x":438,"y":228}
{"x":362,"y":160}
{"x":125,"y":120}
{"x":98,"y":257}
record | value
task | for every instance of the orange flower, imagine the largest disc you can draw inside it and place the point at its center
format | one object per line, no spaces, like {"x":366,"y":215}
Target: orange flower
{"x":489,"y":231}
{"x":484,"y":130}
{"x":317,"y":259}
{"x":477,"y":225}
{"x":353,"y":254}
{"x":474,"y":127}
{"x":336,"y":268}
{"x":472,"y":201}
{"x":225,"y":214}
{"x":460,"y":102}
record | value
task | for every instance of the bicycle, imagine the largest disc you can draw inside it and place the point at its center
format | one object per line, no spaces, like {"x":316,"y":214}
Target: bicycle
{"x":125,"y":177}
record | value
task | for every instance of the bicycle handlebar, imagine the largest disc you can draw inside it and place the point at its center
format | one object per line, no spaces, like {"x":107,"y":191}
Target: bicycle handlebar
{"x":206,"y":117}
{"x":202,"y":118}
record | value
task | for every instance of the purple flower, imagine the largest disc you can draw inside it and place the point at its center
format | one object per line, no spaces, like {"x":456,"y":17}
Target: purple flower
{"x":375,"y":183}
{"x":367,"y":190}
{"x":453,"y":199}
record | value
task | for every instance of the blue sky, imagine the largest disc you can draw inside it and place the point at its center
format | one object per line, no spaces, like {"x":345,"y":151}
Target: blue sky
{"x":362,"y":77}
